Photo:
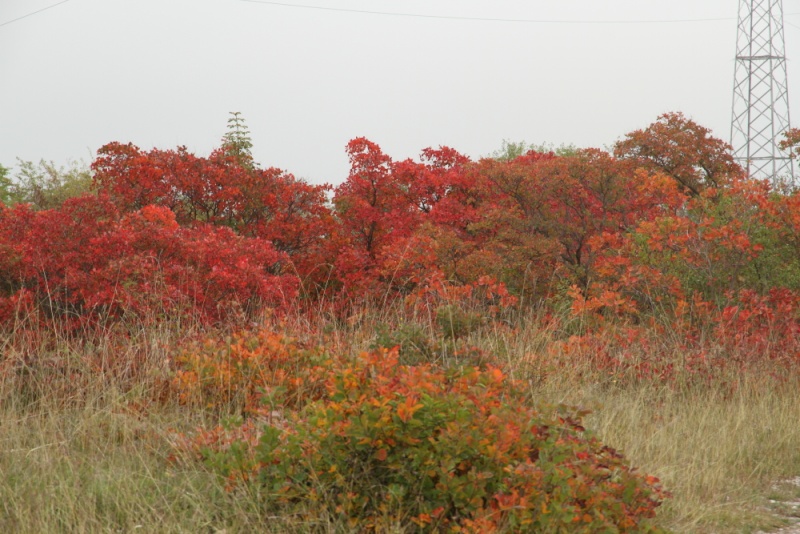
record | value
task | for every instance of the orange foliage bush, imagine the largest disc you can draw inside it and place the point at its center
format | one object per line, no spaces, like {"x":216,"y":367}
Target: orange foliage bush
{"x":435,"y":450}
{"x":249,"y":370}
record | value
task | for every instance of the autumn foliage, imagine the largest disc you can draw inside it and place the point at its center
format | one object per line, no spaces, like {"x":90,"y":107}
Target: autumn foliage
{"x":664,"y":237}
{"x":666,"y":228}
{"x":382,"y":444}
{"x":87,"y":262}
{"x":258,"y":203}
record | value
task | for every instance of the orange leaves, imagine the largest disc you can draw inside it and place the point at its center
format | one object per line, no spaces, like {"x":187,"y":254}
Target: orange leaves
{"x":792,"y":141}
{"x":453,"y":450}
{"x":496,"y":291}
{"x":249,"y":369}
{"x":683,"y":150}
{"x":496,"y":375}
{"x":606,"y":301}
{"x":406,"y":409}
{"x":688,"y":259}
{"x":159,"y":216}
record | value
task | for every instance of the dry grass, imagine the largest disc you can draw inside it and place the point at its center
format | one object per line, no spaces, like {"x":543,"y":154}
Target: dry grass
{"x":719,"y":447}
{"x":719,"y":454}
{"x":86,"y":432}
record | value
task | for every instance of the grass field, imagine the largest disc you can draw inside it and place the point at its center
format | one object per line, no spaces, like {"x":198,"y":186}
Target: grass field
{"x":88,"y":429}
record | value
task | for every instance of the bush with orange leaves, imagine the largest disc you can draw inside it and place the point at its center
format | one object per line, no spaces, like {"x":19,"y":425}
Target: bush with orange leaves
{"x":247,"y":370}
{"x":383,"y":445}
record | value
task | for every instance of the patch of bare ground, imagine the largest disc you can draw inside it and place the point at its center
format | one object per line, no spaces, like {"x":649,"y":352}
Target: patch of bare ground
{"x":784,"y":502}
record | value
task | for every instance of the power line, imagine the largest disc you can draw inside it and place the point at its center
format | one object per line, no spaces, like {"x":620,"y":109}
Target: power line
{"x":33,"y":13}
{"x":484,"y":19}
{"x":444,"y":17}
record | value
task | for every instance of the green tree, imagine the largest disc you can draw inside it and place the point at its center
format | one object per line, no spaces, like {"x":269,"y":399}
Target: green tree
{"x":511,"y":150}
{"x":46,"y":185}
{"x":236,"y":142}
{"x":5,"y":186}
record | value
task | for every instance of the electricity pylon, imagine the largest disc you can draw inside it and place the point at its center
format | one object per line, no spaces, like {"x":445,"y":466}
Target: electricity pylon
{"x":760,"y":92}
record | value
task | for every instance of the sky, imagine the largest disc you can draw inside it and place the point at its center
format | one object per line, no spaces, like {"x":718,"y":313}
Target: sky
{"x":409,"y":74}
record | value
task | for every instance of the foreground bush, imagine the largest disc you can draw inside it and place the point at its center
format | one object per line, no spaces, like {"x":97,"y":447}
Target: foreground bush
{"x":390,"y":445}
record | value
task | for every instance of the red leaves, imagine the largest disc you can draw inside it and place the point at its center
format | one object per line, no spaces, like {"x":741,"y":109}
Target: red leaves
{"x":86,"y":260}
{"x":666,"y":226}
{"x":371,"y":204}
{"x":268,"y":204}
{"x":387,"y":209}
{"x":761,"y":326}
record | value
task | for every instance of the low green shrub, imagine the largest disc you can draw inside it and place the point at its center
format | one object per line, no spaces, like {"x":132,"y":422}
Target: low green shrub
{"x":413,"y":343}
{"x":456,"y":323}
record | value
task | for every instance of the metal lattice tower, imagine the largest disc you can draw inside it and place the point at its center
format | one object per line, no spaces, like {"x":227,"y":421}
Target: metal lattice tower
{"x":760,"y":91}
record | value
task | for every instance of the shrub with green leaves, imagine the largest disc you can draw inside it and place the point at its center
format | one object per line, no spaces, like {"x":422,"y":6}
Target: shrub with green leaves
{"x":438,"y":450}
{"x":45,"y":185}
{"x":414,"y":344}
{"x":456,"y":323}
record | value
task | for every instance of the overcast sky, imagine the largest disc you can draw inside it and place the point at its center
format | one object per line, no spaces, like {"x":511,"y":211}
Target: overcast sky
{"x":163,"y":73}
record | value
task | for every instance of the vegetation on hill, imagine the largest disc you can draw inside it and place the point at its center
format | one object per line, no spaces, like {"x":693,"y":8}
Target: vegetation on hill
{"x":399,"y":353}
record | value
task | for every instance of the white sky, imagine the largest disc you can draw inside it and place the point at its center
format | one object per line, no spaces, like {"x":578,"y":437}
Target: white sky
{"x":163,"y":73}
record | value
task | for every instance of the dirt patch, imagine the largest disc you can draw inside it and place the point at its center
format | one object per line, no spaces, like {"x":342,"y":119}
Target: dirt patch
{"x":785,"y":503}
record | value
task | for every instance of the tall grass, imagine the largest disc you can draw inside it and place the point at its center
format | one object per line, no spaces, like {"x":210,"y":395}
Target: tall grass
{"x":88,"y":424}
{"x":721,"y":444}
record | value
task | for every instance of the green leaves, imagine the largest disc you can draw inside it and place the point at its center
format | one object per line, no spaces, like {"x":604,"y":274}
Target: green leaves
{"x":236,"y":142}
{"x":5,"y":186}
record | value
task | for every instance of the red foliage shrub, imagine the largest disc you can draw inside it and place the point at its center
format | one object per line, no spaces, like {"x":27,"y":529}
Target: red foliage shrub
{"x":86,"y":260}
{"x":757,"y":327}
{"x":267,"y":204}
{"x":666,"y":232}
{"x":682,"y":149}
